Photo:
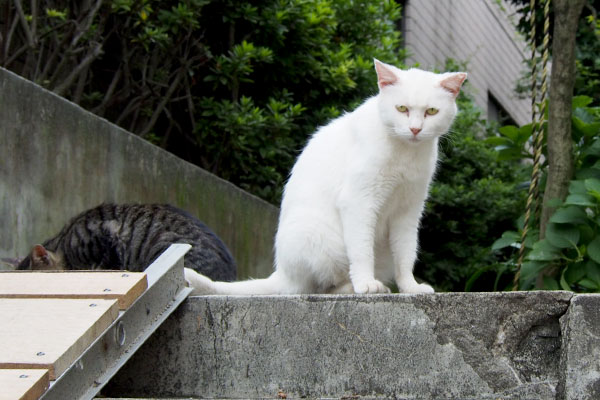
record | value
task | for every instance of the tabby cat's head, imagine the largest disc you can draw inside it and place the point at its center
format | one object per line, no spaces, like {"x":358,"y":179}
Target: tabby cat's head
{"x":417,"y":105}
{"x":41,"y":258}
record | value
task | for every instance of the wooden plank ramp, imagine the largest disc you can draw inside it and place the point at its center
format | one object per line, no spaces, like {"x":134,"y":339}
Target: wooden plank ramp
{"x":25,"y":384}
{"x":48,"y":319}
{"x":123,"y":286}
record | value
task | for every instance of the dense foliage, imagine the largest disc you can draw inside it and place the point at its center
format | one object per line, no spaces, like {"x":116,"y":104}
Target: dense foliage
{"x":233,"y":86}
{"x":569,"y":255}
{"x":473,"y":199}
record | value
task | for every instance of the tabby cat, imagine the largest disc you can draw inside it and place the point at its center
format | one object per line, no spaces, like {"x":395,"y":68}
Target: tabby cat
{"x":131,"y":237}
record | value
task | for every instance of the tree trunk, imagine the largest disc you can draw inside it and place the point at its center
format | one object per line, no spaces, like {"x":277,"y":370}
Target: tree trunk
{"x":562,"y":82}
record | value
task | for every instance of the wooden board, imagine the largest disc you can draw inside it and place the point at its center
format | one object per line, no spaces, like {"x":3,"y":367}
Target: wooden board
{"x":122,"y":285}
{"x":23,"y":384}
{"x":50,"y":333}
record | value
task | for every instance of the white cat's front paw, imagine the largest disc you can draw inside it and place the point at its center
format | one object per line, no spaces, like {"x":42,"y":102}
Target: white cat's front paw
{"x":372,"y":286}
{"x":416,"y":288}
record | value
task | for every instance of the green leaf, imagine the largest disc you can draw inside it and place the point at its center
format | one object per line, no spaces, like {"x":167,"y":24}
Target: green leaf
{"x":550,"y":283}
{"x":508,"y":239}
{"x":510,"y":131}
{"x":498,"y":141}
{"x":563,"y":283}
{"x":52,"y":13}
{"x":590,"y":129}
{"x":543,"y":251}
{"x":582,"y":117}
{"x":532,"y":268}
{"x":577,"y":187}
{"x":575,"y":272}
{"x":562,"y":235}
{"x":593,"y":249}
{"x":588,"y":284}
{"x":529,"y":273}
{"x":525,"y":133}
{"x":592,"y":150}
{"x":586,"y":173}
{"x":506,"y":153}
{"x":571,"y":214}
{"x":581,"y":101}
{"x":592,"y":185}
{"x":592,"y":271}
{"x":580,"y":200}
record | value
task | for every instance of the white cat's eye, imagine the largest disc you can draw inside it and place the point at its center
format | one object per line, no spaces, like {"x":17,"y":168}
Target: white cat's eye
{"x":402,"y":109}
{"x":431,"y":111}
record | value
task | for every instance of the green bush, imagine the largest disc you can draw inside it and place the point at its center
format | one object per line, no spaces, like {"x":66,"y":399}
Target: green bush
{"x":568,"y":257}
{"x":235,"y":87}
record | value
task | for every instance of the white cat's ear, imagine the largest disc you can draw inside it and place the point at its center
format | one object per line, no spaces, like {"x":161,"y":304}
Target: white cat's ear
{"x":453,"y":82}
{"x":385,"y":74}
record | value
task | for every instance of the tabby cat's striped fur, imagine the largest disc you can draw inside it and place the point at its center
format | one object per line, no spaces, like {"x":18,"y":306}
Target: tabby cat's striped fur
{"x":130,"y":237}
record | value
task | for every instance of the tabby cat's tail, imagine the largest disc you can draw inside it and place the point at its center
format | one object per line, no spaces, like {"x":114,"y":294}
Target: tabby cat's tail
{"x":202,"y":285}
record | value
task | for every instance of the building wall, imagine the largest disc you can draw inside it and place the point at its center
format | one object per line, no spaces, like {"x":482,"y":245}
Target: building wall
{"x":56,"y":160}
{"x":479,"y":32}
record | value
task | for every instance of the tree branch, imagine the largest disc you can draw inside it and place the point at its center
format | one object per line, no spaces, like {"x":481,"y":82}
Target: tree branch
{"x":23,"y":19}
{"x":99,"y":109}
{"x":161,"y":106}
{"x":92,"y":55}
{"x":87,"y":22}
{"x":34,"y":17}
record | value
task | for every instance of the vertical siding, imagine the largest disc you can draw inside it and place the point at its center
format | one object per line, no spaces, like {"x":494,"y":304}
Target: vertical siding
{"x":478,"y":32}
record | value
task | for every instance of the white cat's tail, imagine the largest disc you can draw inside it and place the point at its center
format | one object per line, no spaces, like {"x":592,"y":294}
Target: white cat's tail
{"x":202,"y":285}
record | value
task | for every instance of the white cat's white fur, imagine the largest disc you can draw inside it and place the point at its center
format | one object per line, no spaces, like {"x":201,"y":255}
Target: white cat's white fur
{"x":351,"y":209}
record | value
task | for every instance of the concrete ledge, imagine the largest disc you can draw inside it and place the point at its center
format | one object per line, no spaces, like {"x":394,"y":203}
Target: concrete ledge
{"x":523,"y":345}
{"x":580,"y":365}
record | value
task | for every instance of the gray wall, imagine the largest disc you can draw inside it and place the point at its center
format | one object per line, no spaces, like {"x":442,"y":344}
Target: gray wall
{"x":57,"y":160}
{"x":468,"y":346}
{"x":480,"y":32}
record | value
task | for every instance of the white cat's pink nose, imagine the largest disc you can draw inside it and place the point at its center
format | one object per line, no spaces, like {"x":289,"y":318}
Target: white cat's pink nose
{"x":415,"y":131}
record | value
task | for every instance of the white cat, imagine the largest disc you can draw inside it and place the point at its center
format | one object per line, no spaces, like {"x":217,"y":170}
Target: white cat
{"x":350,"y":212}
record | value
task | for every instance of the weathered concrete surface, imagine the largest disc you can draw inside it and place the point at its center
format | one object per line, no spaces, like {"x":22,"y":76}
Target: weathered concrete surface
{"x":442,"y":346}
{"x":580,"y":367}
{"x":57,"y":160}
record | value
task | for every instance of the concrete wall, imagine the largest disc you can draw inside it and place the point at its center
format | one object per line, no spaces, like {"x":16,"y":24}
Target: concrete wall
{"x":534,"y":345}
{"x":479,"y":32}
{"x":57,"y":160}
